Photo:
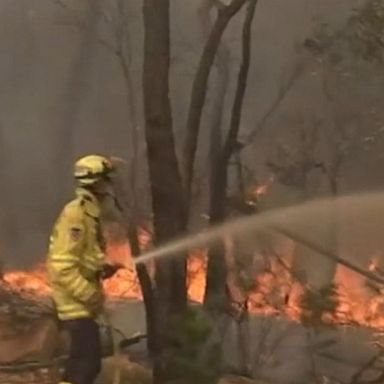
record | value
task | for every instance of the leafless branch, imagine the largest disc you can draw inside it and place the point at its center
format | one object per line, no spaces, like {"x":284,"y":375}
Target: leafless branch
{"x":230,"y":143}
{"x":199,"y":91}
{"x":280,"y":97}
{"x":293,"y":164}
{"x":222,"y":64}
{"x":285,"y":87}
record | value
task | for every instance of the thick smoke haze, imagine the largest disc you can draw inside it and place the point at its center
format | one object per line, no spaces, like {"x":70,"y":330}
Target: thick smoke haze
{"x":63,"y":95}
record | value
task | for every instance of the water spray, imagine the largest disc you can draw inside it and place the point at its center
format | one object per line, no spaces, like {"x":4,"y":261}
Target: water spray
{"x":203,"y":239}
{"x":330,"y":255}
{"x":270,"y":221}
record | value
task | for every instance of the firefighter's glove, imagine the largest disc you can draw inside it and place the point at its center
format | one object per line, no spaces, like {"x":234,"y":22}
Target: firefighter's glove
{"x":108,"y":270}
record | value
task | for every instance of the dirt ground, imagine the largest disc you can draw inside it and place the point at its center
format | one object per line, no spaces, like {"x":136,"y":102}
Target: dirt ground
{"x":280,"y":351}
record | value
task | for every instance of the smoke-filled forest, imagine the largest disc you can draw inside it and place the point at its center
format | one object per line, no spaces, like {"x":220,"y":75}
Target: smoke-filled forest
{"x":247,"y":212}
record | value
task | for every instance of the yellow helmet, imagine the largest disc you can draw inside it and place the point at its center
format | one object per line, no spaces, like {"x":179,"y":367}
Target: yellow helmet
{"x":92,"y":168}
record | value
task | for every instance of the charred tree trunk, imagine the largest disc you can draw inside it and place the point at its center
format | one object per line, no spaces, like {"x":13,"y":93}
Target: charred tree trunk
{"x":216,"y":292}
{"x":165,"y":180}
{"x":222,"y":66}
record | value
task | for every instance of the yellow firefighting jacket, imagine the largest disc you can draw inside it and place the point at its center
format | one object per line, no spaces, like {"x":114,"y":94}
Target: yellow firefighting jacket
{"x":76,"y":255}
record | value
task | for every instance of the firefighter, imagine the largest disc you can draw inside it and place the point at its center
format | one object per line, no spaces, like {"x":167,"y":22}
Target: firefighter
{"x":76,"y":267}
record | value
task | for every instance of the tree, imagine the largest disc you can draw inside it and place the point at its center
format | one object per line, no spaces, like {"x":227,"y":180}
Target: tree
{"x":167,"y":193}
{"x":166,"y":297}
{"x":344,"y":62}
{"x":347,"y":63}
{"x":293,"y":166}
{"x":215,"y":295}
{"x":199,"y":88}
{"x":166,"y":185}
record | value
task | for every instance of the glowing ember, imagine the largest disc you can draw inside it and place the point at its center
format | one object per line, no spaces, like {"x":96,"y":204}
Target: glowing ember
{"x":197,"y":265}
{"x":263,"y":189}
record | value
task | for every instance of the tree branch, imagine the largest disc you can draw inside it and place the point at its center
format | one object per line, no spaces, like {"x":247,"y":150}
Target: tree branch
{"x":312,"y":46}
{"x":280,"y":97}
{"x":217,"y":268}
{"x":199,"y":91}
{"x":222,"y":65}
{"x":231,"y":140}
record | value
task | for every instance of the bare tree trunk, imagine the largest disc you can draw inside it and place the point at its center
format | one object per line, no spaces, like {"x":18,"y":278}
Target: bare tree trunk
{"x":216,"y":292}
{"x":222,"y":65}
{"x":199,"y":90}
{"x":165,"y":180}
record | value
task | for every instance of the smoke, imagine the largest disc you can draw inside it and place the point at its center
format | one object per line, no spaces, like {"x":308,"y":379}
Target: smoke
{"x":63,"y":96}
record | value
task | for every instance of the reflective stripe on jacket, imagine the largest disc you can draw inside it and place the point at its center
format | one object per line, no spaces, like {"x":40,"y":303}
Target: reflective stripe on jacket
{"x":76,"y":256}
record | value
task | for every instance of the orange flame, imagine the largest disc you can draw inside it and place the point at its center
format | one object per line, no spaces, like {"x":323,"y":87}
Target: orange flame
{"x":263,"y":188}
{"x":274,"y":292}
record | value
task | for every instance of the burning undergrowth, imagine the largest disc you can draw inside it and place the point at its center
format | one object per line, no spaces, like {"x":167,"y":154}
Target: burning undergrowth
{"x":274,"y":291}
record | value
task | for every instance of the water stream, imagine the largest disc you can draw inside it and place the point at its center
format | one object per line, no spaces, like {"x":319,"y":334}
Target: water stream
{"x":310,"y":223}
